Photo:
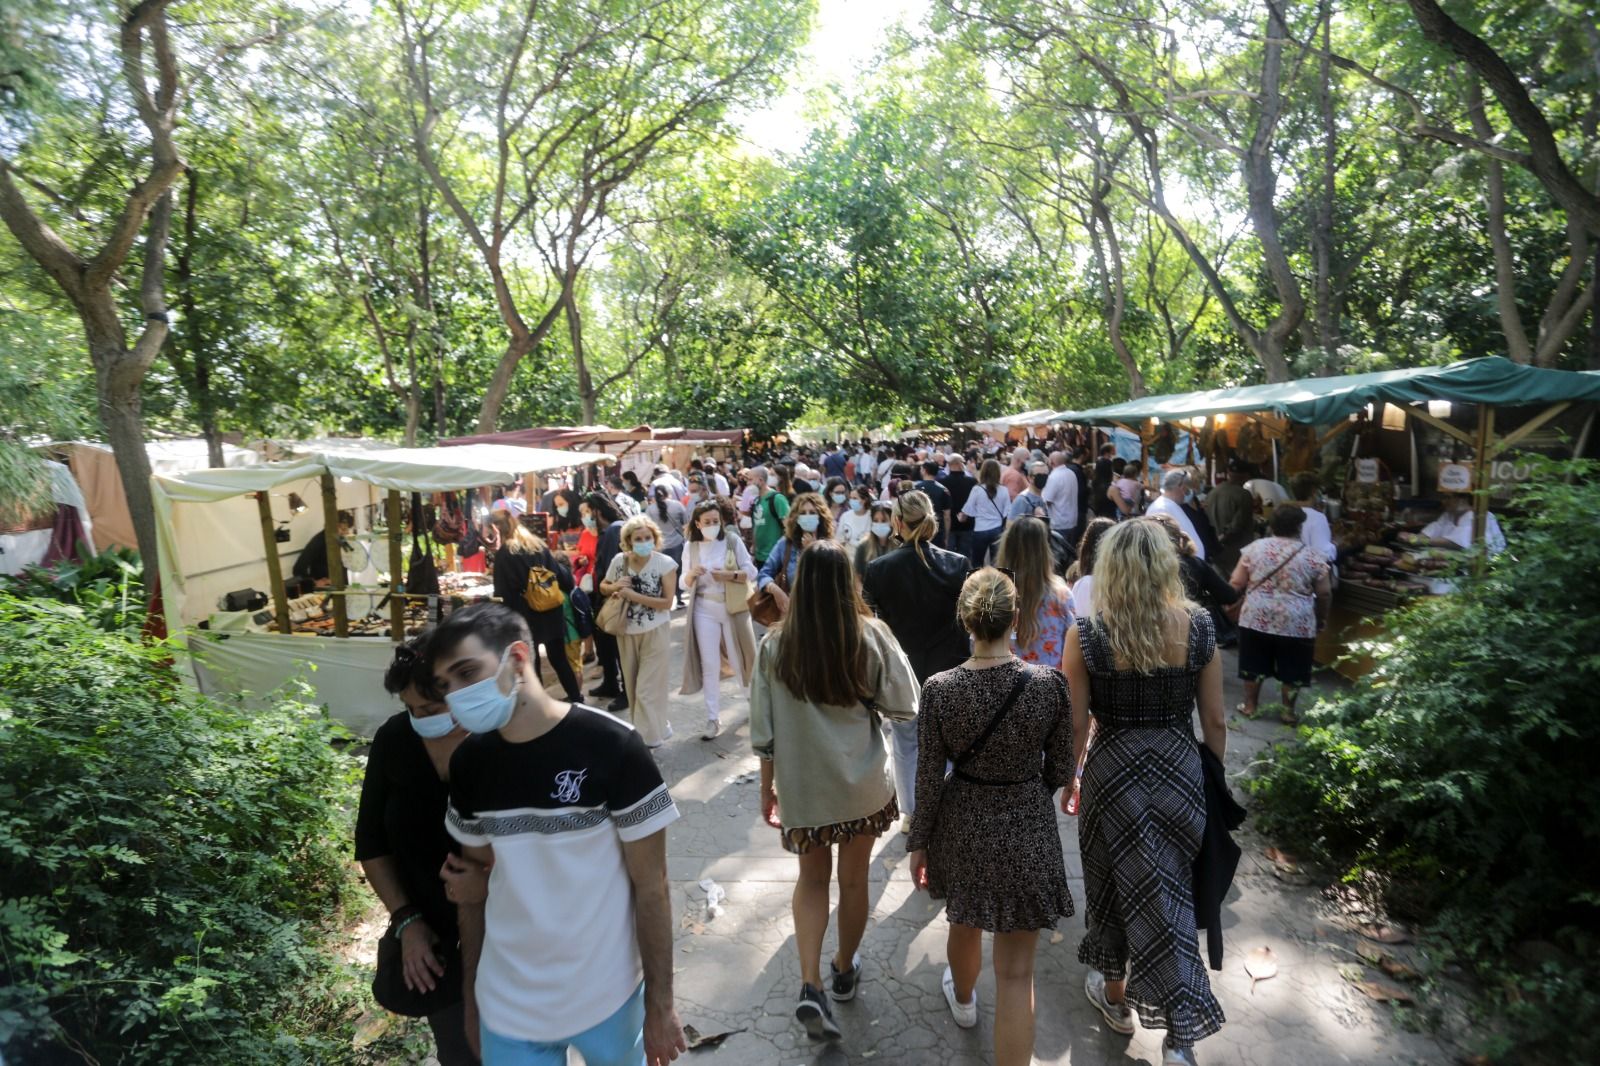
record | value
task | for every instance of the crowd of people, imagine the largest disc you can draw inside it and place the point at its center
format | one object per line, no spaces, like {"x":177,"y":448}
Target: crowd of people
{"x":923,"y":648}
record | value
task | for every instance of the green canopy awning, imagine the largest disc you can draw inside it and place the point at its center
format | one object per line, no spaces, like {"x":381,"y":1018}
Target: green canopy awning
{"x":1319,"y":401}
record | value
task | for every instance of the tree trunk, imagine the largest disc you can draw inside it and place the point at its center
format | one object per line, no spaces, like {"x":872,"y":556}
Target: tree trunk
{"x":199,"y":357}
{"x":517,"y":347}
{"x":1113,"y":282}
{"x":120,"y":407}
{"x":586,"y":390}
{"x":1322,"y":233}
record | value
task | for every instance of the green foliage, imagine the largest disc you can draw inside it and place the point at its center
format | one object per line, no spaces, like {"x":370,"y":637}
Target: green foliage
{"x":105,"y":590}
{"x":1459,"y":776}
{"x":169,"y":861}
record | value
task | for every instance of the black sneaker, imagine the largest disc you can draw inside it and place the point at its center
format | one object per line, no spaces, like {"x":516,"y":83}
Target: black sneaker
{"x":618,"y":705}
{"x":842,"y":986}
{"x":813,"y":1013}
{"x":605,"y":692}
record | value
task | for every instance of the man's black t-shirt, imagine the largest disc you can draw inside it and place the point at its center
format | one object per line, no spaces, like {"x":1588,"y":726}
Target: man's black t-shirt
{"x":941,"y":502}
{"x":960,"y":486}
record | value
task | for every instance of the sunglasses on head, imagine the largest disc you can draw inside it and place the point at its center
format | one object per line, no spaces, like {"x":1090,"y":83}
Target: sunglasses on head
{"x":1012,"y":574}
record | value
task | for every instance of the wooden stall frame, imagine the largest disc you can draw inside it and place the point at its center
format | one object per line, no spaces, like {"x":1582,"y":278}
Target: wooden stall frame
{"x":397,"y":562}
{"x":336,"y":574}
{"x":269,"y":540}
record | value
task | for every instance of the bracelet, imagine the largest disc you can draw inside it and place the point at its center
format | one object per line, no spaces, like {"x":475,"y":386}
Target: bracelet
{"x":399,"y":927}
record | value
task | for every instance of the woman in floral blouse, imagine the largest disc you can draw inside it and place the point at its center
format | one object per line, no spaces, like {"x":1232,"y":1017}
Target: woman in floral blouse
{"x":1286,"y":595}
{"x":1044,"y":609}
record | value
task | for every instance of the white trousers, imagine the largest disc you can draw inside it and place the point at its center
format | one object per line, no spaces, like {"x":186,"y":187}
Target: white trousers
{"x":713,"y":627}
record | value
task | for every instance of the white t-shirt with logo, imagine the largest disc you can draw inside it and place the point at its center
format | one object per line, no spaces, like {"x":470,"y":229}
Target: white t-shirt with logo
{"x":560,"y":952}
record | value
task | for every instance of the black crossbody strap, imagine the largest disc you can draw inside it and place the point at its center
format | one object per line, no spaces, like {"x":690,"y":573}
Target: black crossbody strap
{"x":988,"y":731}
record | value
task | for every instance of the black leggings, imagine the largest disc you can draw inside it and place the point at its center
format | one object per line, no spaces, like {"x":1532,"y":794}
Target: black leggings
{"x":607,"y":652}
{"x":550,"y":629}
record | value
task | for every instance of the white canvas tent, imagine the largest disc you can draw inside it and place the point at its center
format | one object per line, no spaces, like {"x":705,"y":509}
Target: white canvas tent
{"x":209,"y":535}
{"x":21,"y":548}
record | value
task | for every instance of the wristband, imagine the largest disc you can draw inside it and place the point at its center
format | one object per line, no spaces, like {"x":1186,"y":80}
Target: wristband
{"x":400,"y":926}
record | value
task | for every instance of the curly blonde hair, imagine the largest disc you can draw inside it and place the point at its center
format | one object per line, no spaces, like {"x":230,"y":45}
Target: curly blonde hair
{"x":1138,"y":592}
{"x":637,"y":524}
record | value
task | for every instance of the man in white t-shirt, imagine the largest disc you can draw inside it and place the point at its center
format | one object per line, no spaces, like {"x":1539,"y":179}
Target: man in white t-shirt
{"x":1453,"y":528}
{"x":1061,"y":493}
{"x":573,"y":947}
{"x":1174,"y":487}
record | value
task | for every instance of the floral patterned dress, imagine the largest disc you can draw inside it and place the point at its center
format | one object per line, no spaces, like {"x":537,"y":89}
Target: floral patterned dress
{"x":1050,"y":632}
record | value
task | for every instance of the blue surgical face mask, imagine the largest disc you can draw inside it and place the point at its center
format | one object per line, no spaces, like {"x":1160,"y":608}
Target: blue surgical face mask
{"x":588,"y":521}
{"x":433,"y":726}
{"x":643,"y":548}
{"x":809,"y":522}
{"x":839,"y":497}
{"x":881,"y":530}
{"x":481,"y":707}
{"x":856,"y":505}
{"x":561,"y":509}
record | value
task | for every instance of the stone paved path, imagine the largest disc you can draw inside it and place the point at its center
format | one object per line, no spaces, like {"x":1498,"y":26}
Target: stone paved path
{"x":739,"y":970}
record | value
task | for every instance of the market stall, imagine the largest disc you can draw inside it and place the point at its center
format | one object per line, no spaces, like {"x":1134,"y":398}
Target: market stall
{"x":221,"y":536}
{"x":1449,"y":428}
{"x":637,"y":449}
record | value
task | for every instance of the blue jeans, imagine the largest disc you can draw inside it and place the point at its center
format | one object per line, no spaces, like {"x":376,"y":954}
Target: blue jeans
{"x":903,"y":736}
{"x":617,"y":1041}
{"x":981,"y":543}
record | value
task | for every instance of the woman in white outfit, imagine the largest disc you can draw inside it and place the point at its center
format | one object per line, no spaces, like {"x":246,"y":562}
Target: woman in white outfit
{"x":718,"y":565}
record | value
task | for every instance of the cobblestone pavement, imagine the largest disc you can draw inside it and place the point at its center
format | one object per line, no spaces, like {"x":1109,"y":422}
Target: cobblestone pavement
{"x":739,"y":970}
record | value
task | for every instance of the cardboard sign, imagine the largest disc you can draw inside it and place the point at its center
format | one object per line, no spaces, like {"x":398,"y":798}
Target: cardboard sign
{"x":1367,"y":471}
{"x":1455,"y":477}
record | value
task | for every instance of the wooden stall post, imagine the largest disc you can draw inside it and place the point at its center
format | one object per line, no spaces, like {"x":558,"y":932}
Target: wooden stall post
{"x":336,"y":575}
{"x":397,"y":562}
{"x":280,"y":602}
{"x":1480,"y":472}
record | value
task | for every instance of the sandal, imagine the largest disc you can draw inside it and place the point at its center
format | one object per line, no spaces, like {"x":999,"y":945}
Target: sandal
{"x":1242,"y":713}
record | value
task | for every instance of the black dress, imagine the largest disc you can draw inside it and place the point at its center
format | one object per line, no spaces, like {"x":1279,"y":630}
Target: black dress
{"x":401,"y":816}
{"x":1143,"y":819}
{"x":994,"y":851}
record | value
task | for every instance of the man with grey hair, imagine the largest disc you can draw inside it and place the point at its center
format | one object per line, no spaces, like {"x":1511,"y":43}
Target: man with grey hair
{"x":1061,"y":493}
{"x":1174,"y":488}
{"x":766,"y":513}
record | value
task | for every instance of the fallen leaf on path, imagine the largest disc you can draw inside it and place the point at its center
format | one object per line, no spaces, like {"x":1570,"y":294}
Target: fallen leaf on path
{"x":698,"y":1040}
{"x":1260,"y":964}
{"x":1057,"y":937}
{"x":1386,"y":934}
{"x":1278,"y":857}
{"x":372,"y":1025}
{"x":1380,"y":989}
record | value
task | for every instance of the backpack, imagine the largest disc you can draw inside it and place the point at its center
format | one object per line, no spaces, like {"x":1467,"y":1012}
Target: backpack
{"x":582,"y":613}
{"x":543,"y":591}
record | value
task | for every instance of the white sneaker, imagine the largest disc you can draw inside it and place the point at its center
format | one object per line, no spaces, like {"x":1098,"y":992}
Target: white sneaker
{"x":1177,"y":1056}
{"x":905,"y":825}
{"x":965,"y":1014}
{"x":713,"y":727}
{"x":1119,"y":1019}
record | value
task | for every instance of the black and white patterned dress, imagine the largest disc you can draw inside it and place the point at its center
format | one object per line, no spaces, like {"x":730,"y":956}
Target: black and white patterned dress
{"x":994,"y":850}
{"x":1143,"y":814}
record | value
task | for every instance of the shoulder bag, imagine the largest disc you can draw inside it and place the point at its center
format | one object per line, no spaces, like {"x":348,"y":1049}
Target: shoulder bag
{"x":389,"y":982}
{"x":612,"y":617}
{"x":1233,"y":610}
{"x":764,"y":606}
{"x":735,"y":594}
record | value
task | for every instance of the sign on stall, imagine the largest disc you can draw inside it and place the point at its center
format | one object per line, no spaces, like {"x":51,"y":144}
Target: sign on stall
{"x":1367,"y":471}
{"x":1455,"y":477}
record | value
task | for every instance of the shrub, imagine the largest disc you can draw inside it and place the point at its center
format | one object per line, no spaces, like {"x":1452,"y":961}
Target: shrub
{"x":169,"y":863}
{"x":1459,"y":776}
{"x":108,"y":588}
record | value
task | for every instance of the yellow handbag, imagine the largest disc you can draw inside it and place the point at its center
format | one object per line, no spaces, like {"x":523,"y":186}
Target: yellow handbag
{"x":735,"y":594}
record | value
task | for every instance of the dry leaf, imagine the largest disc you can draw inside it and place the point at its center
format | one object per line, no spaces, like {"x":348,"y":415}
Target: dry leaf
{"x":1281,"y":858}
{"x":1056,"y":937}
{"x":697,"y":1040}
{"x":1260,"y":964}
{"x":1386,"y":934}
{"x":1380,"y":989}
{"x":372,"y":1025}
{"x":1400,"y":970}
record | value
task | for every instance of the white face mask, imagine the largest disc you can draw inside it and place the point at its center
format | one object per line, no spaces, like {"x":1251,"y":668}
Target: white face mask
{"x":712,"y":531}
{"x":433,"y":726}
{"x":881,"y":530}
{"x":481,"y":707}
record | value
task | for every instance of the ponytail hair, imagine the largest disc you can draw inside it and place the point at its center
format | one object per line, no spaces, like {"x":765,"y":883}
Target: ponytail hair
{"x":660,"y":493}
{"x":915,"y":512}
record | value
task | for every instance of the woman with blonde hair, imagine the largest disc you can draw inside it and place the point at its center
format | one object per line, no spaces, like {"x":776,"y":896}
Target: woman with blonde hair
{"x":914,"y":588}
{"x":647,"y":580}
{"x":1044,"y":604}
{"x":823,"y":679}
{"x":984,"y":839}
{"x":1139,"y":665}
{"x":518,"y":554}
{"x":988,"y":505}
{"x":879,"y":539}
{"x":718,"y":565}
